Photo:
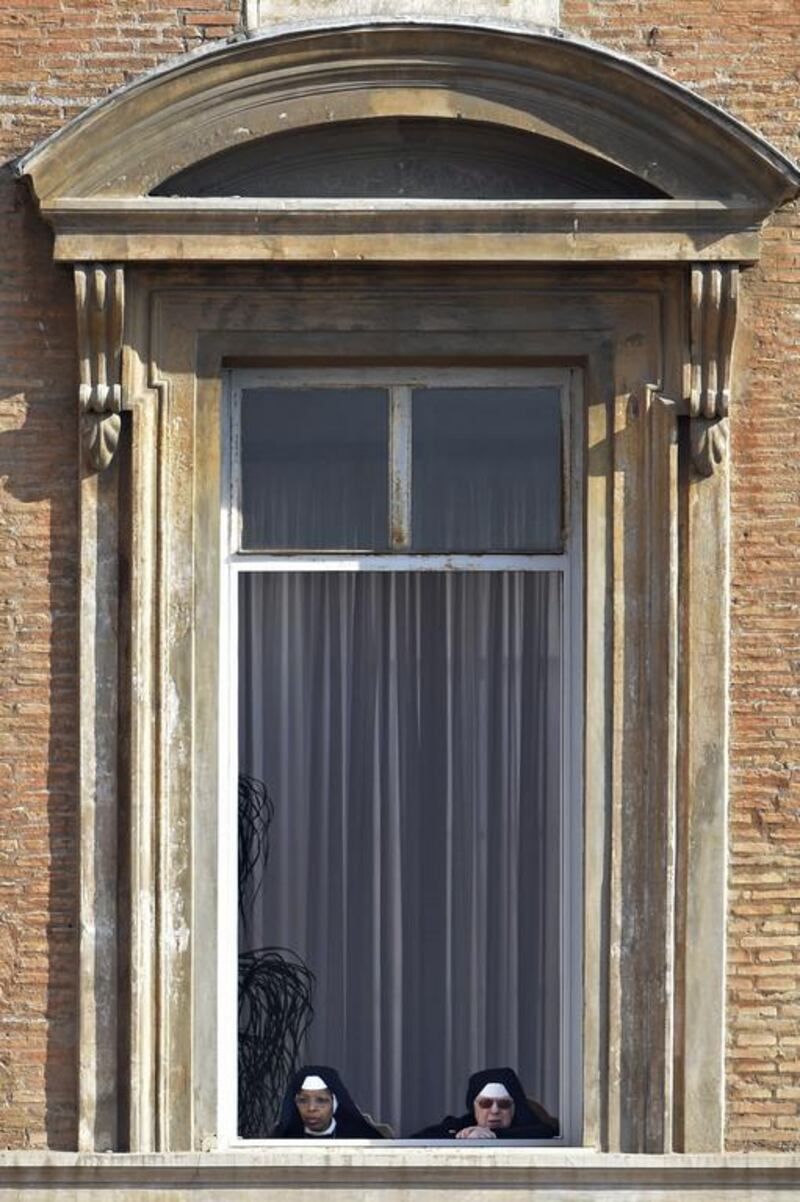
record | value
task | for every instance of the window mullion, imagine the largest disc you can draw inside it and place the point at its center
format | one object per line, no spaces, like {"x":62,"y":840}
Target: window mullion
{"x":400,"y":467}
{"x":235,"y":493}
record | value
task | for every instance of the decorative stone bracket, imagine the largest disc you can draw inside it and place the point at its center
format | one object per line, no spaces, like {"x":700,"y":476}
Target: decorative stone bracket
{"x":100,"y":303}
{"x":714,"y":303}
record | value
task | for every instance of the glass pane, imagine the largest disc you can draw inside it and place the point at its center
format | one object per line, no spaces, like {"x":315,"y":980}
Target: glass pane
{"x":314,"y":468}
{"x":406,"y":728}
{"x":487,"y":469}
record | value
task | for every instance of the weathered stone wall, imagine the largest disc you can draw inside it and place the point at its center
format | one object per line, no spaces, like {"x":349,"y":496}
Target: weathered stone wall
{"x":56,"y":56}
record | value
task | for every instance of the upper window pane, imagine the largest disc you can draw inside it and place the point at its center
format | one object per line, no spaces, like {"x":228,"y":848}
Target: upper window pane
{"x":314,"y":468}
{"x":487,"y":466}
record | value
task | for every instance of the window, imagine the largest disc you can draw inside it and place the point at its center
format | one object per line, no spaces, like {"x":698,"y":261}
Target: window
{"x":402,"y":593}
{"x":508,"y":265}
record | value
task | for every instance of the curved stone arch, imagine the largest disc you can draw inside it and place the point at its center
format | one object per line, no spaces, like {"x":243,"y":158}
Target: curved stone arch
{"x":549,"y":85}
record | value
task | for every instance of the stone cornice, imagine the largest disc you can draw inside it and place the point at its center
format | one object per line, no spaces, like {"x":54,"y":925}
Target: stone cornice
{"x":218,"y":230}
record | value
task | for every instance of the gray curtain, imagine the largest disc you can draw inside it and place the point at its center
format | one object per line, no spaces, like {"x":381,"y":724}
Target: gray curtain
{"x":407,"y":726}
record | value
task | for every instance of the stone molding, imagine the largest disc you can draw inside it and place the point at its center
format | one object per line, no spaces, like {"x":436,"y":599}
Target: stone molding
{"x":100,"y":310}
{"x":234,"y":230}
{"x":437,"y":1173}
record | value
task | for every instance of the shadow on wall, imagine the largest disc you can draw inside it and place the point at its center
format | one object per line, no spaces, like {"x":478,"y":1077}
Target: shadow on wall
{"x":38,"y":684}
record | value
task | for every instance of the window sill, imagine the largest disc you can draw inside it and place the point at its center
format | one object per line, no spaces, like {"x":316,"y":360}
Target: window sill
{"x":364,"y":1170}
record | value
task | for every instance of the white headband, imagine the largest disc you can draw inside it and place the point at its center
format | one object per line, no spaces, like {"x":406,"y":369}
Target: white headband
{"x":493,"y":1089}
{"x":313,"y":1083}
{"x":317,"y":1083}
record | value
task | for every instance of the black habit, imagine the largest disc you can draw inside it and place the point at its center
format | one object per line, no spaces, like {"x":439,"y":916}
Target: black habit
{"x":350,"y":1122}
{"x":526,"y":1123}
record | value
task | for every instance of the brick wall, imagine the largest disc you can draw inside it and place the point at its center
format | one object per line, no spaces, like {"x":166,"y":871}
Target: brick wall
{"x":764,"y":926}
{"x":743,"y":55}
{"x":56,"y":56}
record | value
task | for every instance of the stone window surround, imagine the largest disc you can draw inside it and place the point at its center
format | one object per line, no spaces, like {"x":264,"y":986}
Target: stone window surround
{"x":643,"y":295}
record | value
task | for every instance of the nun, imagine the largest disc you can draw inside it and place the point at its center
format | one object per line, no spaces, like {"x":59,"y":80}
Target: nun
{"x":497,"y":1108}
{"x":316,"y":1105}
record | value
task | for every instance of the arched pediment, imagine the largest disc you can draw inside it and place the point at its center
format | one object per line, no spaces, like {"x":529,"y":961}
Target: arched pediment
{"x":575,"y":93}
{"x":253,"y":97}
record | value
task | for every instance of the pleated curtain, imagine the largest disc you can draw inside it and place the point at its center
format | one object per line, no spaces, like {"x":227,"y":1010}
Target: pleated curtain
{"x":407,"y":725}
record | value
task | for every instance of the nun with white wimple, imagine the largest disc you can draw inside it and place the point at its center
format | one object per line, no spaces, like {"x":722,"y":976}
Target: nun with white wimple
{"x":496,"y":1109}
{"x":316,"y":1105}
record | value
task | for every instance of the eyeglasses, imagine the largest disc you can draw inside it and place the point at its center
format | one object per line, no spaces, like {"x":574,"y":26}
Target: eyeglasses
{"x":500,"y":1103}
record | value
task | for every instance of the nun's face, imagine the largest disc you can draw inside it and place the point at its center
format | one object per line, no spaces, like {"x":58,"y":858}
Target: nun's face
{"x":493,"y":1113}
{"x":315,"y":1107}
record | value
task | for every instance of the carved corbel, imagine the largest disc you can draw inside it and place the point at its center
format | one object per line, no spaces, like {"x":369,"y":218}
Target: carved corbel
{"x":100,"y":302}
{"x":714,"y":302}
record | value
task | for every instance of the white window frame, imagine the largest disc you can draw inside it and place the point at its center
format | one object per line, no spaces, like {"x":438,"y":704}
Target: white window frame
{"x":398,"y":383}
